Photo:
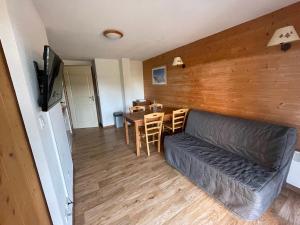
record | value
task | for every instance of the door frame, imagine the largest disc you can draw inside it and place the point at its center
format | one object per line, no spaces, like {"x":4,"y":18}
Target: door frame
{"x":96,"y":93}
{"x":95,"y":89}
{"x":67,"y":102}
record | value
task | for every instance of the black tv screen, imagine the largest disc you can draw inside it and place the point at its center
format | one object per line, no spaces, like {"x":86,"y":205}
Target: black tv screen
{"x":50,"y":80}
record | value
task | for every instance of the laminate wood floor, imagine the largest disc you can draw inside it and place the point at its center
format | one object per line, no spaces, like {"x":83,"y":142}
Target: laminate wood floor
{"x":113,"y":186}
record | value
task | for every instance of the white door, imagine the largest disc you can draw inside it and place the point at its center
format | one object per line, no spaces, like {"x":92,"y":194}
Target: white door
{"x":80,"y":91}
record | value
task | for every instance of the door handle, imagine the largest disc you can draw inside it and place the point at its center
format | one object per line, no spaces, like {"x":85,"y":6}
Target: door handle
{"x":92,"y":98}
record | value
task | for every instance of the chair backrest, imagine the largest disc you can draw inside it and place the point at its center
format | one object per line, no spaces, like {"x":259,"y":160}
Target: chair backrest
{"x":139,"y":108}
{"x":153,"y":123}
{"x":157,"y":105}
{"x":178,"y":119}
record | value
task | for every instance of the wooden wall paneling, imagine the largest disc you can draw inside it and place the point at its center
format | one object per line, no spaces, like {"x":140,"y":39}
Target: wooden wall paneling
{"x":21,"y":198}
{"x":234,"y":72}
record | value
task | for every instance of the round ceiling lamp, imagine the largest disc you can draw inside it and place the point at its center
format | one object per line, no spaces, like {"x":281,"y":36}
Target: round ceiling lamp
{"x":113,"y":34}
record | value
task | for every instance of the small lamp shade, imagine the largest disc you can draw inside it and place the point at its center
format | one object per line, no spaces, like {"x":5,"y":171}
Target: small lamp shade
{"x":284,"y":35}
{"x":177,"y":61}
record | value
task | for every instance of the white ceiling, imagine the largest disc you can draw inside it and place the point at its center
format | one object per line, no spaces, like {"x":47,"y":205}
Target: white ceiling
{"x":150,"y":27}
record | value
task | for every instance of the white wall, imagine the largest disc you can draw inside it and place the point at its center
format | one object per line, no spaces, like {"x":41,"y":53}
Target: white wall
{"x":133,"y":82}
{"x":23,"y":36}
{"x":77,"y":63}
{"x":109,"y":89}
{"x":126,"y":81}
{"x":137,"y":80}
{"x":119,"y":83}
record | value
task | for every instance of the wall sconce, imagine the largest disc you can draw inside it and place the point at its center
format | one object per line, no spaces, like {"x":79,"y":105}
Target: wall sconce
{"x":283,"y":37}
{"x":178,"y":62}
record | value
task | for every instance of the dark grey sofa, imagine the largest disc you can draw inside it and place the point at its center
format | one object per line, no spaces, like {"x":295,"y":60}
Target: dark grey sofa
{"x":242,"y":163}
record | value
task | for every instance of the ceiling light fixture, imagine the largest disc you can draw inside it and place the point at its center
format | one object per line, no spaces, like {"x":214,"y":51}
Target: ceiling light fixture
{"x":113,"y":34}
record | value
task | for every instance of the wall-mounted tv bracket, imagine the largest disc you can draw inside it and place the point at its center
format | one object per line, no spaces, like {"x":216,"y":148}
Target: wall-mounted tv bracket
{"x":40,"y":77}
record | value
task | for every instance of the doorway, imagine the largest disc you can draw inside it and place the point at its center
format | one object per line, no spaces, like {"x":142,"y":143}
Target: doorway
{"x":81,"y":96}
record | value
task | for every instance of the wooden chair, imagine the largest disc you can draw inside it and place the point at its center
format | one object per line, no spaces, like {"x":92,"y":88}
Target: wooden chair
{"x":157,"y":105}
{"x":178,"y":120}
{"x":137,"y":108}
{"x":153,"y":129}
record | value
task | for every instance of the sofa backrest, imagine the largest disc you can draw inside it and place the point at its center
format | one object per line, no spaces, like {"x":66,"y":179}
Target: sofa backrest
{"x":267,"y":144}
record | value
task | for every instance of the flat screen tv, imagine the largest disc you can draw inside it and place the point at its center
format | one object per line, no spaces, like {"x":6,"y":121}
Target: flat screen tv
{"x":50,"y":79}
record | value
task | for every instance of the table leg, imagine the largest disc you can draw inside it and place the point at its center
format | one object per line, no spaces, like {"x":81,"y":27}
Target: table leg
{"x":126,"y":131}
{"x":137,"y":139}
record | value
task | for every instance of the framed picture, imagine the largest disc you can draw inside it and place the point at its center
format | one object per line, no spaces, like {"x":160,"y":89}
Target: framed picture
{"x":159,"y":75}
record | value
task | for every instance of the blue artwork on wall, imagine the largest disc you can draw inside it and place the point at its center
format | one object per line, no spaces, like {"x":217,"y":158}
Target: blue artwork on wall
{"x":159,"y":75}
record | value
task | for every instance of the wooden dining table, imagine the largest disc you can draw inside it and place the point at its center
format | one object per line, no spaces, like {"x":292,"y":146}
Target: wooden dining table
{"x":137,"y":118}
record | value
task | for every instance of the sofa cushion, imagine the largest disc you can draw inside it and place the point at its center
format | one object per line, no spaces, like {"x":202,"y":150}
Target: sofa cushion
{"x":243,"y":186}
{"x":259,"y":142}
{"x":246,"y":172}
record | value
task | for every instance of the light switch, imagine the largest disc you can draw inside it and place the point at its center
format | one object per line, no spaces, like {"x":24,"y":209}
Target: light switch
{"x":42,"y":122}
